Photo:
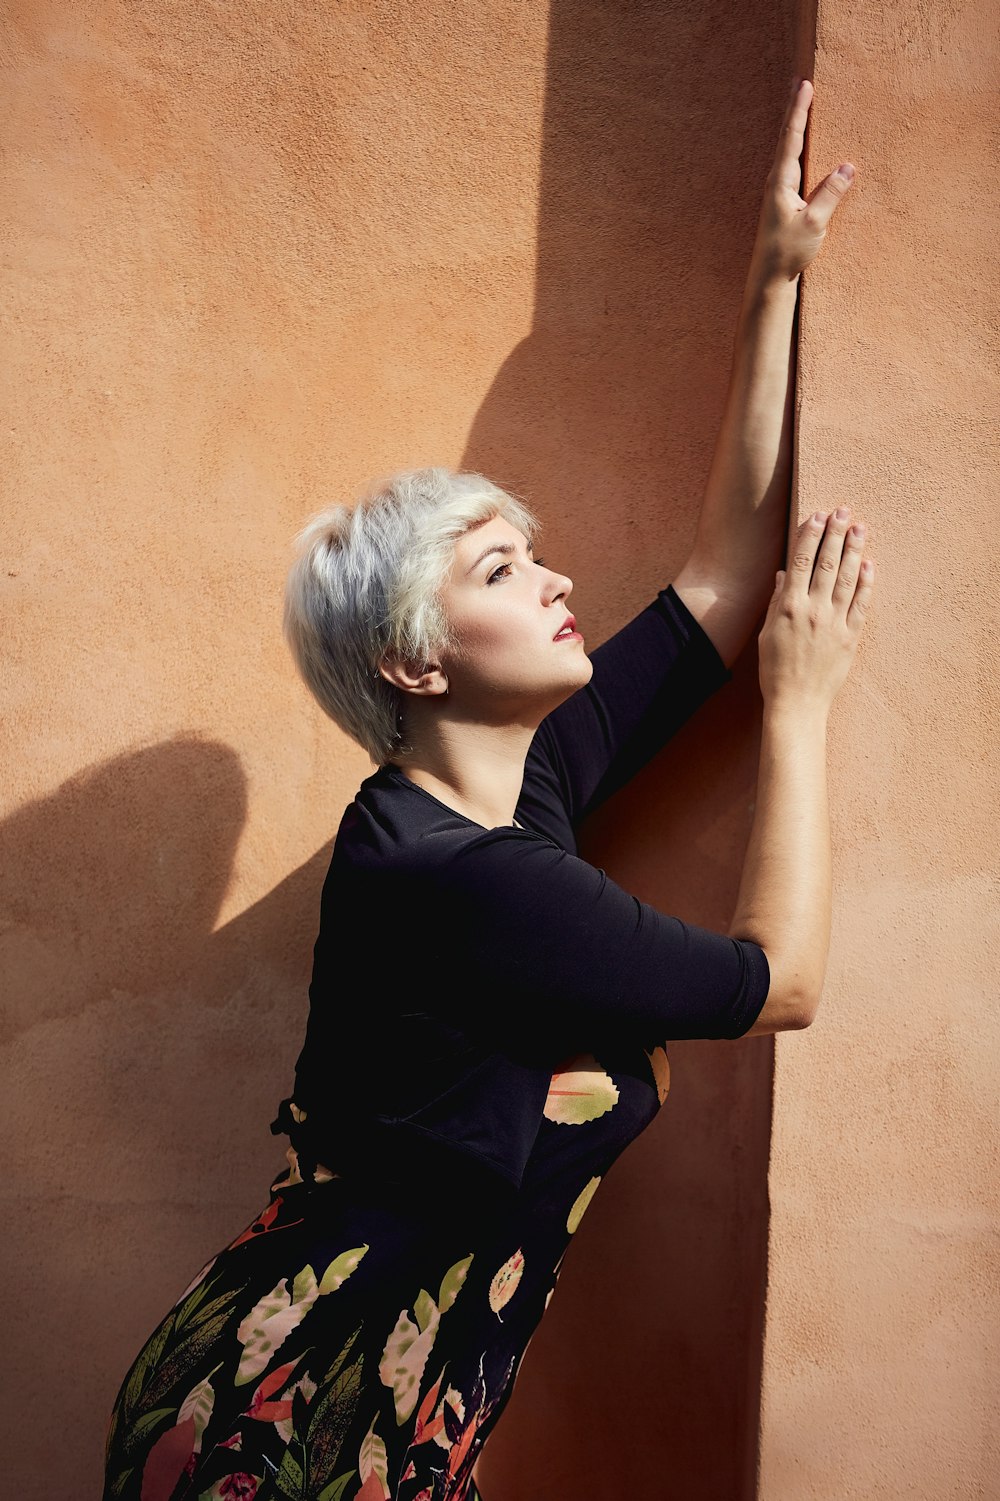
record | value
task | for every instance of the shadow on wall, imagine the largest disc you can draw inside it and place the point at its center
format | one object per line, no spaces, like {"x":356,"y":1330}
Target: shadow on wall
{"x":110,"y":888}
{"x":649,"y":1358}
{"x":120,"y":1002}
{"x":113,"y":882}
{"x":605,"y":418}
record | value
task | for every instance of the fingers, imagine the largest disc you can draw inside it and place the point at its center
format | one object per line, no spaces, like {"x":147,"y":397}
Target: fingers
{"x":849,"y":570}
{"x":779,"y":584}
{"x":803,"y":554}
{"x":827,"y":564}
{"x":793,"y":130}
{"x":824,"y":199}
{"x":829,"y":559}
{"x":862,"y":595}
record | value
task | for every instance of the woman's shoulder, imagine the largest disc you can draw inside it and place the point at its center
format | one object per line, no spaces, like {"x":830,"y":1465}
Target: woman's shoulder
{"x":393,"y":825}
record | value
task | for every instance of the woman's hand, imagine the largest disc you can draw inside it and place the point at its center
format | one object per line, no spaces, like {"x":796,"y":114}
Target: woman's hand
{"x":816,"y":615}
{"x":791,"y":229}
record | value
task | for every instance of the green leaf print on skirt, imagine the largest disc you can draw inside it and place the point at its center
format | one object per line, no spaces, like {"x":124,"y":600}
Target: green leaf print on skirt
{"x":331,"y":1413}
{"x":271,"y":1321}
{"x":580,"y":1205}
{"x":579,"y":1092}
{"x":185,"y":1336}
{"x":198,"y":1404}
{"x":504,"y":1284}
{"x":408,"y":1346}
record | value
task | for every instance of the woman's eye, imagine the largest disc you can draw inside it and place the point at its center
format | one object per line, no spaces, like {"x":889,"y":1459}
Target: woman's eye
{"x":504,"y":570}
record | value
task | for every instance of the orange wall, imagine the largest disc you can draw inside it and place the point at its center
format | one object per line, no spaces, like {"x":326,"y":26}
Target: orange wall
{"x":882,"y":1356}
{"x":263,"y":252}
{"x":659,"y":127}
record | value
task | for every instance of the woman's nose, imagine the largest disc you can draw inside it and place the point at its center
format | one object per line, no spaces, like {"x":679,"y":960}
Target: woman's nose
{"x":558,"y":585}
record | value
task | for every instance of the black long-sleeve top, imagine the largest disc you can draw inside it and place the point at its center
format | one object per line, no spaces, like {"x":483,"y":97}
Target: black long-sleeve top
{"x":456,"y":965}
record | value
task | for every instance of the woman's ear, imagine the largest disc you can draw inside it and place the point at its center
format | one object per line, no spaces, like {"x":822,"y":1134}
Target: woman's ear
{"x":427,"y":679}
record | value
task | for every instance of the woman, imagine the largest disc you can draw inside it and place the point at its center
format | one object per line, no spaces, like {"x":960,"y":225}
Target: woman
{"x":488,"y":1011}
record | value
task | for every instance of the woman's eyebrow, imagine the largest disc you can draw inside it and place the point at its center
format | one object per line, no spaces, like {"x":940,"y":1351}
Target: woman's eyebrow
{"x":506,"y":548}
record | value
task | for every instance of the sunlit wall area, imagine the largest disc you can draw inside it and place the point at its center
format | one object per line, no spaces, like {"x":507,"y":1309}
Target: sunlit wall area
{"x":262,"y":253}
{"x":882,"y":1355}
{"x":259,"y":253}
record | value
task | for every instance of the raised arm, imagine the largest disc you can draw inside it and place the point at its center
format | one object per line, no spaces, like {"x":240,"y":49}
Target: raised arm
{"x":742,"y":528}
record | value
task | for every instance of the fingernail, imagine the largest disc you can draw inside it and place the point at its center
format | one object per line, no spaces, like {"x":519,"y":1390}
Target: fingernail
{"x":857,"y":531}
{"x":841,"y":514}
{"x":846,"y":171}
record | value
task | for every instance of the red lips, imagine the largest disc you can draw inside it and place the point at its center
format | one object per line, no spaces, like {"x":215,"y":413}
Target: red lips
{"x":568,"y":624}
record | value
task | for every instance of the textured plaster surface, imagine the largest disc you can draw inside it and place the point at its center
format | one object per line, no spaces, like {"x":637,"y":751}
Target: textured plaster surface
{"x":882,"y":1351}
{"x":261,"y":253}
{"x":659,"y":122}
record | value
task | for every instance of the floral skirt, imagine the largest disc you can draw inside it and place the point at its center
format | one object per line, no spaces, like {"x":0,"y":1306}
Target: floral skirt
{"x":349,"y":1345}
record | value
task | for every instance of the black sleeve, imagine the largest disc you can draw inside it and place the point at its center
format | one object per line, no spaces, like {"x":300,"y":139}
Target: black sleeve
{"x":554,"y":949}
{"x":648,"y":679}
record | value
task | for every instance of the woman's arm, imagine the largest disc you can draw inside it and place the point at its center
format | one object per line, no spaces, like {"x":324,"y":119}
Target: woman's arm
{"x":785,"y":891}
{"x":811,"y":633}
{"x":741,"y":532}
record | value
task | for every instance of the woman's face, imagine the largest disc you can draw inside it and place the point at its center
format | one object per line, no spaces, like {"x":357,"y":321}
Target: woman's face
{"x":518,"y":653}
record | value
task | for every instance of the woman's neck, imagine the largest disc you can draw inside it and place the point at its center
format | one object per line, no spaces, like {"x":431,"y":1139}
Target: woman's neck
{"x":474,"y":769}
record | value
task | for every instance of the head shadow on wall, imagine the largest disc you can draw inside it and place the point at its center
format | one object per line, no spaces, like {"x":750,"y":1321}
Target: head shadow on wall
{"x":112,"y":966}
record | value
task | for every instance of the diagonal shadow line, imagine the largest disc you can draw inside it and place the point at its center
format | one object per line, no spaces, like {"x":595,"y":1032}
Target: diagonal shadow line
{"x":572,"y":395}
{"x":604,"y":417}
{"x":128,"y":1156}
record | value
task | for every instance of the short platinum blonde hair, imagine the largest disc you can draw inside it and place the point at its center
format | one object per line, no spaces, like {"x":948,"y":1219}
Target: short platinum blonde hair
{"x":365,"y":586}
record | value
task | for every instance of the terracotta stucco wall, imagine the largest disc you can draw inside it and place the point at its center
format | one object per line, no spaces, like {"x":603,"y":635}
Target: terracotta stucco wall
{"x":882,"y":1354}
{"x":263,"y":252}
